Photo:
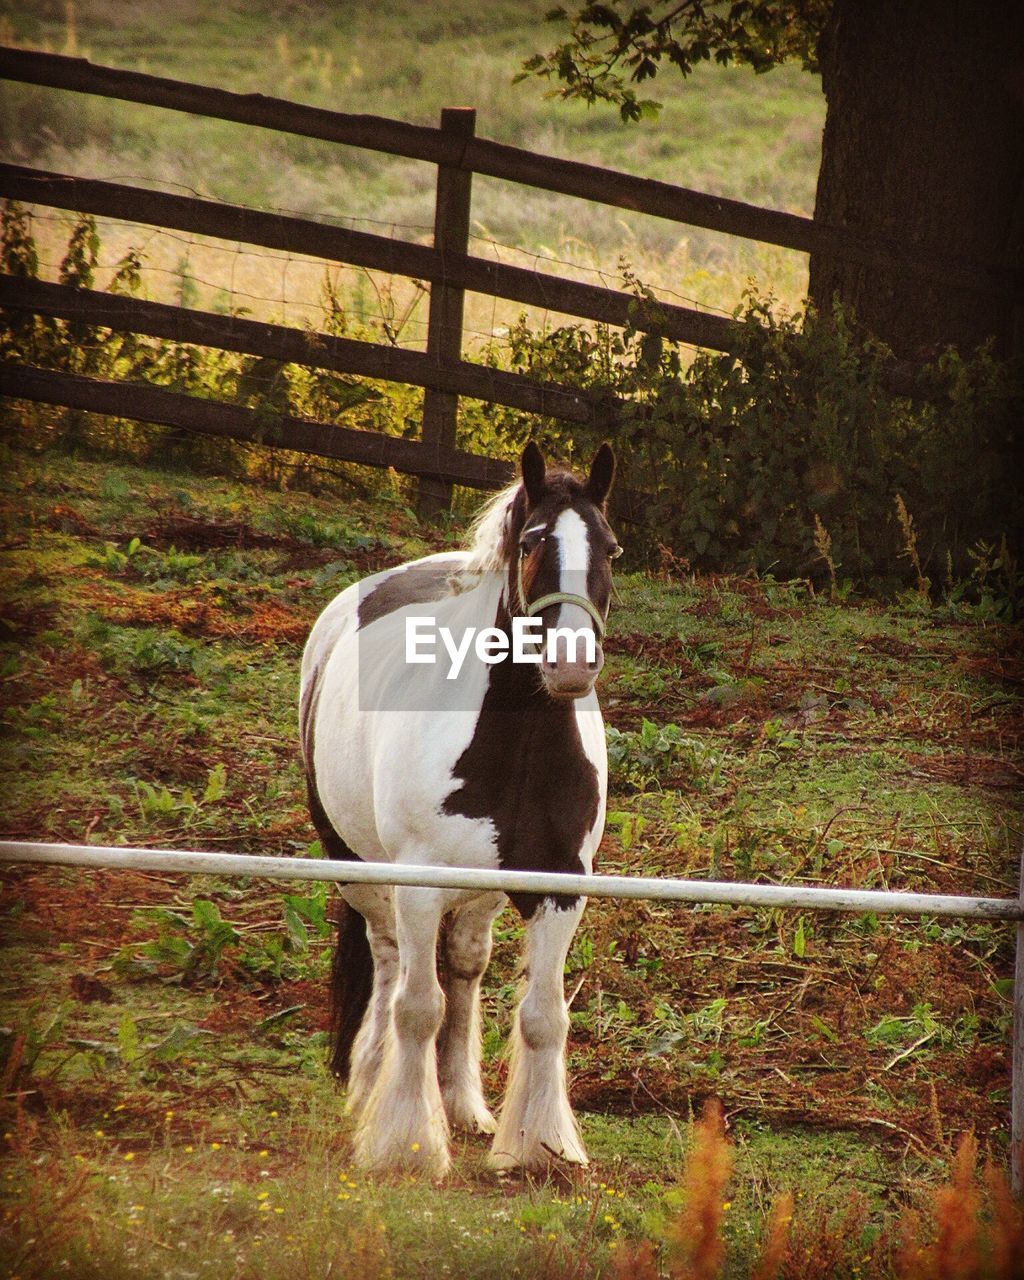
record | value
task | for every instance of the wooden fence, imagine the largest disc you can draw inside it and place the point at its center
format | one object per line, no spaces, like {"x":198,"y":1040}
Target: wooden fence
{"x":447,"y":265}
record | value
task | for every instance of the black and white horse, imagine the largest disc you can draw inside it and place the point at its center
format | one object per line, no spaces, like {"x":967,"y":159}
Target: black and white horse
{"x":501,"y":766}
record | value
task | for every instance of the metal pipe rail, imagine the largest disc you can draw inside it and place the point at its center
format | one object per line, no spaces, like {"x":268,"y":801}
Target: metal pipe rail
{"x":652,"y":889}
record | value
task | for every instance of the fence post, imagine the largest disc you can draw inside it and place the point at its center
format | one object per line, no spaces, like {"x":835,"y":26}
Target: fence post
{"x":1017,"y":1078}
{"x":444,"y":331}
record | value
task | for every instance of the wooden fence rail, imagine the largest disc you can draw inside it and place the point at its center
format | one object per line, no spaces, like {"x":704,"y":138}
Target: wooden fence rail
{"x":416,"y":142}
{"x":143,"y":402}
{"x":363,"y":249}
{"x":498,"y":160}
{"x":296,"y":346}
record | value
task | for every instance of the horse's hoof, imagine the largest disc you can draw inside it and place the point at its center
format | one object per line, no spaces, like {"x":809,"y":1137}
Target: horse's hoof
{"x":471,"y":1118}
{"x":430,"y":1162}
{"x":538,"y":1157}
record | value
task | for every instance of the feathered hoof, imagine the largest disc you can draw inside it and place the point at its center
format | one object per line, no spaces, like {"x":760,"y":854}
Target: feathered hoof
{"x":355,"y":1100}
{"x":535,"y":1155}
{"x":431,"y":1159}
{"x":470,"y":1116}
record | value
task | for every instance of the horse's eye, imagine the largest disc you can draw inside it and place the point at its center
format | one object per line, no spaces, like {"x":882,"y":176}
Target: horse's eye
{"x":615,"y":551}
{"x":530,"y":544}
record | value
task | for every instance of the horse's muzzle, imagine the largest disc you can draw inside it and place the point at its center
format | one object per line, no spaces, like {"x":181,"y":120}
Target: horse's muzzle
{"x":567,"y":678}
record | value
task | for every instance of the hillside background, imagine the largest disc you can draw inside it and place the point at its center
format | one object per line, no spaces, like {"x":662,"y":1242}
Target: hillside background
{"x":724,"y":130}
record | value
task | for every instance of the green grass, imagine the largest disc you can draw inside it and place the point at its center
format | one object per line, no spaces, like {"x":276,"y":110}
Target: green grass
{"x":153,"y":622}
{"x":723,"y":130}
{"x":280,"y":1201}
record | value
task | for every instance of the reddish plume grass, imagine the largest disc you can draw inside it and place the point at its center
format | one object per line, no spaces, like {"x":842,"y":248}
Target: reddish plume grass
{"x":638,"y":1263}
{"x":696,"y":1247}
{"x":969,"y":1228}
{"x":775,"y":1245}
{"x":823,"y":1245}
{"x":976,"y":1225}
{"x":1006,"y":1257}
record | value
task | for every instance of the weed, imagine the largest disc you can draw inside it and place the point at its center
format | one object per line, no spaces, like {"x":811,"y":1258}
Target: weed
{"x":995,"y":581}
{"x":184,"y":950}
{"x":638,"y":680}
{"x":113,"y":560}
{"x":775,"y":1243}
{"x":172,"y":564}
{"x":778,"y":736}
{"x":326,"y":533}
{"x":22,"y":1047}
{"x":823,"y":546}
{"x":918,"y":1027}
{"x":971,"y":1239}
{"x":643,"y":758}
{"x":909,"y":534}
{"x":695,"y":1245}
{"x":302,"y":912}
{"x":630,"y":826}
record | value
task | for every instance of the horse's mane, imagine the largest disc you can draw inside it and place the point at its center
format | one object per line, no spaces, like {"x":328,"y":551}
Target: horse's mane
{"x":499,"y":522}
{"x":488,"y":540}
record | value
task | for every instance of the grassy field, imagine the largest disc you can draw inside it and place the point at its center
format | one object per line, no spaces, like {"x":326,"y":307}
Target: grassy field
{"x":166,"y":1105}
{"x":725,"y":131}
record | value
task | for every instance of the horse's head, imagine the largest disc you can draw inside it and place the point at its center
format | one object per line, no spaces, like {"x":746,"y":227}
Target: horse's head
{"x":560,"y":566}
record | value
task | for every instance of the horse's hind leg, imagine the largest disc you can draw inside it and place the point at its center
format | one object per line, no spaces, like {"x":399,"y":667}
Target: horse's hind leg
{"x":536,"y":1122}
{"x":377,"y":906}
{"x":466,"y":951}
{"x":403,"y":1120}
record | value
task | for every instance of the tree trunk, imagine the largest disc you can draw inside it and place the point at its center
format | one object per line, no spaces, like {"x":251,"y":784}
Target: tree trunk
{"x":923,"y":155}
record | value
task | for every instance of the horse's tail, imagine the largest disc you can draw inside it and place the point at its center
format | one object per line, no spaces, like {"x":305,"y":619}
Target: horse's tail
{"x":351,"y":985}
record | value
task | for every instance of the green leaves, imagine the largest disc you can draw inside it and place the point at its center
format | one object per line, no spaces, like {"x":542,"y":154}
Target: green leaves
{"x":179,"y":1040}
{"x":216,"y":784}
{"x":917,"y":1028}
{"x":630,"y":825}
{"x":644,"y":758}
{"x":610,"y":46}
{"x":79,"y":264}
{"x":278,"y":1019}
{"x":125,"y":1050}
{"x":192,"y":949}
{"x":742,"y":461}
{"x":128,"y":1040}
{"x":186,"y":951}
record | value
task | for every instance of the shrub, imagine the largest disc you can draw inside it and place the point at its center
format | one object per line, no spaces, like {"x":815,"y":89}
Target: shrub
{"x":793,"y":454}
{"x":266,"y":385}
{"x":750,"y":460}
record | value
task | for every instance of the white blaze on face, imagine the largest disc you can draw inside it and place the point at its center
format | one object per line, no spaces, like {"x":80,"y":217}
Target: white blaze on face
{"x":573,"y":540}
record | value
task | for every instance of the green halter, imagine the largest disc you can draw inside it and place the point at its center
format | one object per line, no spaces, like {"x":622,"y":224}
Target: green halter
{"x":560,"y":597}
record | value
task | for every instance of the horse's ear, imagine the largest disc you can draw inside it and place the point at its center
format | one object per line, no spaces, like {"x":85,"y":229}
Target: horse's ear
{"x":602,"y":473}
{"x":532,"y":464}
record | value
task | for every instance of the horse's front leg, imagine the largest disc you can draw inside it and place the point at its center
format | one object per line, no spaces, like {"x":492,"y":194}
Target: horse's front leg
{"x":536,"y":1122}
{"x":467,"y":949}
{"x":402,"y":1122}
